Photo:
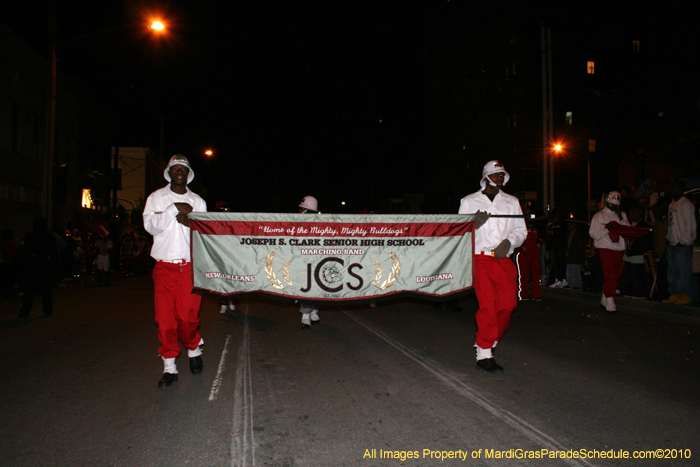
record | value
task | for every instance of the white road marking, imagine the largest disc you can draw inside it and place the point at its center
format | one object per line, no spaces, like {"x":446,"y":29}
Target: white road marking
{"x":220,"y":372}
{"x":516,"y":422}
{"x":242,"y":435}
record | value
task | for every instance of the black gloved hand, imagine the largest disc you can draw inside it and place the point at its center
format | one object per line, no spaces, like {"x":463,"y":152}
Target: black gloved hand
{"x":480,"y":218}
{"x":502,"y":249}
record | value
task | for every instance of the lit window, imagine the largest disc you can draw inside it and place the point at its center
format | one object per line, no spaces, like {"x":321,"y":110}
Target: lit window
{"x":635,"y":46}
{"x":591,"y":145}
{"x":591,"y":68}
{"x":569,"y":118}
{"x":87,"y":199}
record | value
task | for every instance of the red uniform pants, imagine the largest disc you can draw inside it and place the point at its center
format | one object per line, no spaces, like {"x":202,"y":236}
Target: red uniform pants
{"x":611,"y":262}
{"x":177,"y":308}
{"x":529,"y":271}
{"x":495,"y":284}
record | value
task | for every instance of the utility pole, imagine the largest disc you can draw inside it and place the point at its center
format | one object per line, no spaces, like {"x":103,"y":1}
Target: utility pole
{"x":550,"y":104}
{"x":50,"y":120}
{"x":545,"y":125}
{"x":115,"y":179}
{"x":547,"y":119}
{"x":588,"y":167}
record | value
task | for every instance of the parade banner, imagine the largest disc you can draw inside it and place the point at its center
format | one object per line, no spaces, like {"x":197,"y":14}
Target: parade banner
{"x":331,"y":257}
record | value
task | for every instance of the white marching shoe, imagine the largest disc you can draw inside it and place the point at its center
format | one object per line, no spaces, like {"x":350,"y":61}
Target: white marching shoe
{"x":610,"y":305}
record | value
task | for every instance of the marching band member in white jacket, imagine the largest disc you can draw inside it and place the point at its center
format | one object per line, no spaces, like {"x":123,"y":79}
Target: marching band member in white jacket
{"x":495,"y":275}
{"x":176,"y":307}
{"x":610,"y":246}
{"x":308,"y":310}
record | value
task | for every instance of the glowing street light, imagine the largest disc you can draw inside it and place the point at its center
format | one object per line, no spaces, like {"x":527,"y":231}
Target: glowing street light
{"x":51,"y":111}
{"x":209,"y":153}
{"x":557,"y":148}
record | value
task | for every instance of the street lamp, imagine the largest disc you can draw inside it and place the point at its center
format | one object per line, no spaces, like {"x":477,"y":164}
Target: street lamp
{"x":556,"y":150}
{"x":51,"y":111}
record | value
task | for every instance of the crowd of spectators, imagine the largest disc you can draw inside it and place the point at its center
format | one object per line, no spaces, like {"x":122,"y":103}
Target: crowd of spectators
{"x":124,"y":251}
{"x":569,"y":259}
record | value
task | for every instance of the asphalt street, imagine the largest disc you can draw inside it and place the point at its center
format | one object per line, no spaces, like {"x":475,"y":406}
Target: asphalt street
{"x":386,"y":386}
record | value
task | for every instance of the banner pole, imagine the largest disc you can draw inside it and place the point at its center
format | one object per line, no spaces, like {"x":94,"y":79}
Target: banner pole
{"x":513,"y":216}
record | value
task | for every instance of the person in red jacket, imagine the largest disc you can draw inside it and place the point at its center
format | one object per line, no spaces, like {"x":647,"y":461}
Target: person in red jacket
{"x":528,"y":261}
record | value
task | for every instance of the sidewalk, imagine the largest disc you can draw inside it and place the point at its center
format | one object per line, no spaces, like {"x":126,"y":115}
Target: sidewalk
{"x":625,"y":304}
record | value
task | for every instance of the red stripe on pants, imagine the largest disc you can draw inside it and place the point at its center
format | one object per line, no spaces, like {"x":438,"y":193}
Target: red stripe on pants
{"x":530,"y":271}
{"x":495,"y":284}
{"x":611,"y":262}
{"x":177,"y":308}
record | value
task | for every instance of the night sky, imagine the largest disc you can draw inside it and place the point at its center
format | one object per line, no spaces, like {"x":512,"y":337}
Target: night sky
{"x":295,"y":98}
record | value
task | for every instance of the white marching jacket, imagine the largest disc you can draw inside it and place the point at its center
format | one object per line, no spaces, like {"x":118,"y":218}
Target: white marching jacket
{"x":171,"y":240}
{"x":599,"y":233}
{"x":495,"y":229}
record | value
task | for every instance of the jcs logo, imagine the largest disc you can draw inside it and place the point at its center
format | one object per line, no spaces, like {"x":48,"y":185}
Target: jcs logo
{"x":328,"y":276}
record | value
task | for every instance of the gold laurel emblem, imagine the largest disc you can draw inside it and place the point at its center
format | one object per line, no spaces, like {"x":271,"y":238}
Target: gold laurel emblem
{"x":270,"y":272}
{"x":285,"y":272}
{"x":394,"y":274}
{"x":378,"y":276}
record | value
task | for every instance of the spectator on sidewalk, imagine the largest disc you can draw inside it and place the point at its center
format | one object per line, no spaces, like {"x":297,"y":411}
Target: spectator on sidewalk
{"x":38,"y":261}
{"x":115,"y":237}
{"x":556,"y":245}
{"x":90,"y":254}
{"x":8,"y":264}
{"x":659,"y":214}
{"x":142,"y":254}
{"x":577,"y":243}
{"x":635,"y":267}
{"x":682,"y":231}
{"x":127,"y":254}
{"x":102,"y":262}
{"x":59,"y":272}
{"x":78,"y":254}
{"x":627,"y":200}
{"x":610,"y":247}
